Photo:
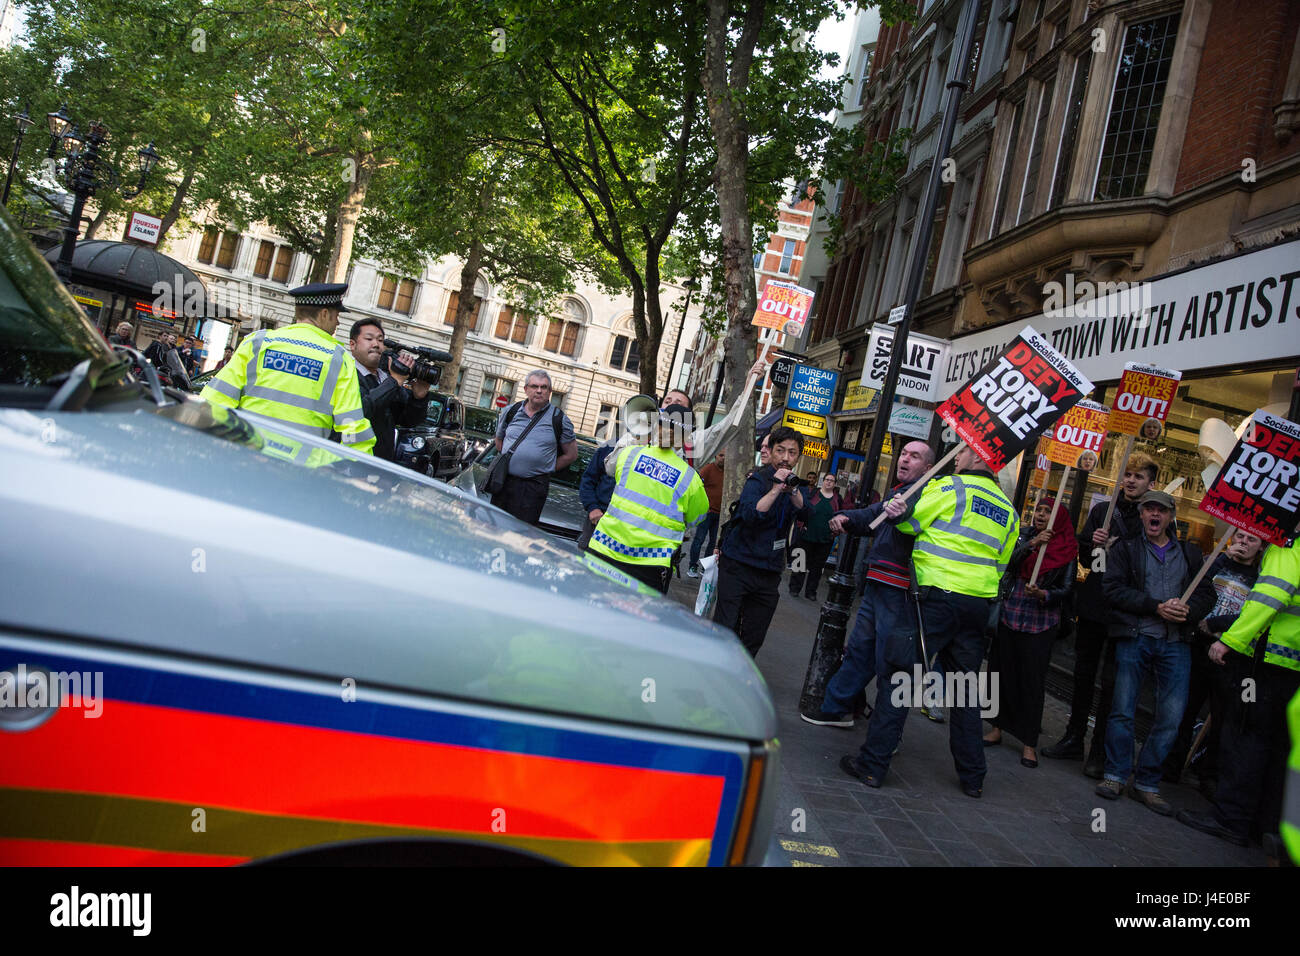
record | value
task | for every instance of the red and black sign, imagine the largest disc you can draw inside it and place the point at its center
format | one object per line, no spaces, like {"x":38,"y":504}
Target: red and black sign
{"x":1007,"y":405}
{"x":1258,"y":487}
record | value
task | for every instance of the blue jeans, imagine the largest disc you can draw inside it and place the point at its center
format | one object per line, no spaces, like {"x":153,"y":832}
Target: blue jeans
{"x":954,"y":630}
{"x":709,"y":526}
{"x":1171,"y":664}
{"x":864,"y":656}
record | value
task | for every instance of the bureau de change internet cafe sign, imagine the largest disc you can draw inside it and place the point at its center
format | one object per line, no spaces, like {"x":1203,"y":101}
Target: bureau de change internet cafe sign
{"x":812,"y":390}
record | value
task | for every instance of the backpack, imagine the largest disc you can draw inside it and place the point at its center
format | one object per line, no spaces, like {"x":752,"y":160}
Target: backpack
{"x":557,"y":421}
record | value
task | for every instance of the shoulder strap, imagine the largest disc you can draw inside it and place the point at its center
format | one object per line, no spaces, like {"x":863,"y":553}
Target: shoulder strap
{"x":557,"y":423}
{"x":511,"y":412}
{"x":524,"y":434}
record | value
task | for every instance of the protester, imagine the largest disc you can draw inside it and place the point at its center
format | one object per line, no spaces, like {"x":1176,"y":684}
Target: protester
{"x":122,"y":335}
{"x":1233,"y":575}
{"x":885,"y":598}
{"x":538,"y":453}
{"x":749,"y":573}
{"x":1029,"y":623}
{"x":594,"y":491}
{"x":1253,"y":747}
{"x":1093,"y":646}
{"x":1144,"y":580}
{"x":816,"y":537}
{"x":225,"y":357}
{"x":711,"y":474}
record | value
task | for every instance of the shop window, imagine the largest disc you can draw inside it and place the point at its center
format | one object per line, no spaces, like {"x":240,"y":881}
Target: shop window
{"x":1135,"y":108}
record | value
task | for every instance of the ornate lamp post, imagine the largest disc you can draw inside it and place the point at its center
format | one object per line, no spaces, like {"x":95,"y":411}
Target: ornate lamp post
{"x":85,"y":172}
{"x":24,"y":121}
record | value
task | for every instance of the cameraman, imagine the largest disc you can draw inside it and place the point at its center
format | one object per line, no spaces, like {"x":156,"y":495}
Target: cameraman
{"x":749,"y":572}
{"x":385,"y":398}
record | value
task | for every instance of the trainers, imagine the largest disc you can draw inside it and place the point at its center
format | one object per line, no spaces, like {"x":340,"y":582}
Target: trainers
{"x":934,"y":713}
{"x":693,"y":571}
{"x":823,"y":719}
{"x":1110,"y":789}
{"x":850,"y":765}
{"x":1152,"y":800}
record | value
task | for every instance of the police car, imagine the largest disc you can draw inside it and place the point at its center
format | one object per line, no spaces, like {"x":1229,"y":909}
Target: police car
{"x":210,"y":655}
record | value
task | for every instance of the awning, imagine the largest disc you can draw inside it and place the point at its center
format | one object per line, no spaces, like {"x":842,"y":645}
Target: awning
{"x":133,"y":270}
{"x":768,"y":422}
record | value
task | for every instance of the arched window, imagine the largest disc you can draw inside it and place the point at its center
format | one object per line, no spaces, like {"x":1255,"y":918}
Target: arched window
{"x":625,"y":353}
{"x":562,"y":333}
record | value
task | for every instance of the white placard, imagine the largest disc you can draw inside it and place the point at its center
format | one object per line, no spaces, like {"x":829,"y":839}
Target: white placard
{"x":144,"y":228}
{"x":921,"y":373}
{"x":911,"y":421}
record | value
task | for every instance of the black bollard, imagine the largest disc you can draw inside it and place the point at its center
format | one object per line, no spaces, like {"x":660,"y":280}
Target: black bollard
{"x":832,"y":629}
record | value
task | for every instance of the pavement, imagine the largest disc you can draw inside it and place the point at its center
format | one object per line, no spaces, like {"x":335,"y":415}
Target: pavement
{"x":1048,"y":816}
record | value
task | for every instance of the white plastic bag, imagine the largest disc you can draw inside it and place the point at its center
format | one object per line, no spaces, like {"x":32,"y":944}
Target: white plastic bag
{"x":708,"y":594}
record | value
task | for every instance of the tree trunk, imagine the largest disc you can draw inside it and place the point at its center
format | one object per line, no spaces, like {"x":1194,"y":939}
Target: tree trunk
{"x":731,"y":134}
{"x":653,"y":322}
{"x":467,"y":307}
{"x":182,"y":193}
{"x":349,"y":212}
{"x":95,"y":223}
{"x":320,"y":261}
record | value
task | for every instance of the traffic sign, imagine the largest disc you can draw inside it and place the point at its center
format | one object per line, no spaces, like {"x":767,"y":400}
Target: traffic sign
{"x":501,"y":402}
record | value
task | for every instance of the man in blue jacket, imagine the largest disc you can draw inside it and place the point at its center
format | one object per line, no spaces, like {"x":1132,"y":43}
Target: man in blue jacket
{"x":753,"y":552}
{"x":885,"y":597}
{"x":594,"y":491}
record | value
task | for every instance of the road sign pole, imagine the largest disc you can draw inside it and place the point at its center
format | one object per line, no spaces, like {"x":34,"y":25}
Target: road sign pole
{"x":828,"y":646}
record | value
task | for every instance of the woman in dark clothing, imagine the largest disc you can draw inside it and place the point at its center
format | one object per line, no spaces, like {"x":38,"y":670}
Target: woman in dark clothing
{"x":1029,"y":622}
{"x":1233,"y":573}
{"x":815,"y":539}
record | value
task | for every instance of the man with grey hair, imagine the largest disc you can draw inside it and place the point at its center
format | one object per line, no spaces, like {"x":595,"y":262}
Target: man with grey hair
{"x":536,"y":453}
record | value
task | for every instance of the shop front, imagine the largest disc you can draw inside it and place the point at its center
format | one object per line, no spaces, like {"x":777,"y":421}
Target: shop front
{"x":1232,"y":328}
{"x":851,"y":423}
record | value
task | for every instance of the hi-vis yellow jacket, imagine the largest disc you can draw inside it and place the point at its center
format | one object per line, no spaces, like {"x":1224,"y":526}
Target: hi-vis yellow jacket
{"x":657,"y":497}
{"x":298,"y":375}
{"x":965,"y":530}
{"x":1272,"y":608}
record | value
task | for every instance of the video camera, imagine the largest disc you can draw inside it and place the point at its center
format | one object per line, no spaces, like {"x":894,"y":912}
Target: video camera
{"x":791,"y":481}
{"x":427,"y":367}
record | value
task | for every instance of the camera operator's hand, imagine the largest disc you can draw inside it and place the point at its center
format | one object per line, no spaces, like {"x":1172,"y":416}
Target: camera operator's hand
{"x":778,"y":479}
{"x":418,"y":389}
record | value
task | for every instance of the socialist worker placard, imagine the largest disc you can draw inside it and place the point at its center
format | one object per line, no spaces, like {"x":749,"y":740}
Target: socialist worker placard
{"x":1012,"y":400}
{"x":1143,"y":400}
{"x":1078,"y":436}
{"x":1258,"y":487}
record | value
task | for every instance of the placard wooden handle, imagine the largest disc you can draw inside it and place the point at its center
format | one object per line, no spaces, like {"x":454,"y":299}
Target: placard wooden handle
{"x":1206,"y":565}
{"x":1056,"y":503}
{"x":920,"y":482}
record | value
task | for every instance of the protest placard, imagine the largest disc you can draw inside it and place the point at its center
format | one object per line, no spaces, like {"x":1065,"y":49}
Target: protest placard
{"x":1080,"y":432}
{"x":1258,"y":487}
{"x":1010,"y":402}
{"x":1143,"y":399}
{"x":784,"y":306}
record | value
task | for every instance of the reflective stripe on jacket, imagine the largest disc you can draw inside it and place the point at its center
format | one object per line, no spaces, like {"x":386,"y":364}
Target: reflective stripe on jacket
{"x":1273,"y":605}
{"x":657,"y":496}
{"x":1291,"y":802}
{"x":298,"y":375}
{"x":965,"y":530}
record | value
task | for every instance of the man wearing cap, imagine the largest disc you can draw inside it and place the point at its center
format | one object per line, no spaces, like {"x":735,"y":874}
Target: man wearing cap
{"x":1145,"y":579}
{"x":657,"y":496}
{"x":299,"y":375}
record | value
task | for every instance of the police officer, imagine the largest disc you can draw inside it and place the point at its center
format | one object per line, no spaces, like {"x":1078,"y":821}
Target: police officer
{"x":965,"y":530}
{"x":657,"y":496}
{"x":299,"y":375}
{"x":1253,"y":741}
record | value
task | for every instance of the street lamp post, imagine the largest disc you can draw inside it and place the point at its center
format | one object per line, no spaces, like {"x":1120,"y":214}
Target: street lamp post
{"x":23,"y":121}
{"x":690,"y":285}
{"x":85,"y":172}
{"x":586,"y":406}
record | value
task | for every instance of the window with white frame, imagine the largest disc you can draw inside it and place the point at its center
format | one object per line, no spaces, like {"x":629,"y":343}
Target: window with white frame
{"x":608,"y":415}
{"x":787,"y":257}
{"x":396,"y":294}
{"x":625,"y":354}
{"x":494,"y":387}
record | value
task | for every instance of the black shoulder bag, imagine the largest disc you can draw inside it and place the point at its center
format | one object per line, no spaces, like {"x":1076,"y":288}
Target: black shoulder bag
{"x":495,"y":479}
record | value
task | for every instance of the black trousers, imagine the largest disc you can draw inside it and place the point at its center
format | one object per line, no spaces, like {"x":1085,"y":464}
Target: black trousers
{"x":523,"y":497}
{"x":1203,"y":683}
{"x":1254,"y":745}
{"x":747,"y":599}
{"x":815,"y":555}
{"x":655,"y":575}
{"x":1021,"y":660}
{"x":1092,"y":647}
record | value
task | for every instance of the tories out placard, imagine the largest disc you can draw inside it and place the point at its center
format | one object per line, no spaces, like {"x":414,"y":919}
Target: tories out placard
{"x":1078,"y":436}
{"x":1258,"y":487}
{"x":1143,"y":399}
{"x":1012,"y":400}
{"x":784,"y":306}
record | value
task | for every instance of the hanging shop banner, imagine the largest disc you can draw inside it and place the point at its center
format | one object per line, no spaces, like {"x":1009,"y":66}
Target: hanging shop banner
{"x":816,"y":448}
{"x":1258,"y":487}
{"x":1226,"y":314}
{"x":1077,"y":438}
{"x":781,"y":370}
{"x":814,"y":426}
{"x":911,"y":421}
{"x":860,"y":397}
{"x":1143,"y":400}
{"x":812,"y":390}
{"x":921,"y":373}
{"x":1006,"y":407}
{"x":783,"y":306}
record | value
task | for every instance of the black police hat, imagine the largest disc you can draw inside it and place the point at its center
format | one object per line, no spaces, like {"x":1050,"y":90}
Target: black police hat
{"x":328,"y":294}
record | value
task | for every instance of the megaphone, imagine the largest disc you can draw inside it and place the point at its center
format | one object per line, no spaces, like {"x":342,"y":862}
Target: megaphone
{"x":640,"y":414}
